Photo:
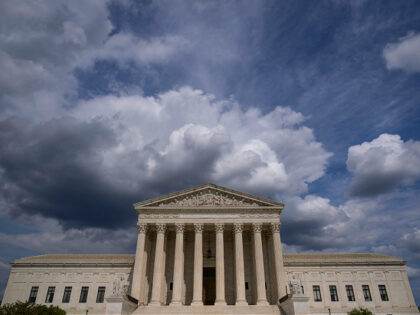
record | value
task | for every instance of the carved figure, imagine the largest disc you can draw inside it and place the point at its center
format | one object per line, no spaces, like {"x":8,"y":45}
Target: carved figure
{"x":116,"y":287}
{"x":120,"y":286}
{"x":207,"y":198}
{"x":296,"y":286}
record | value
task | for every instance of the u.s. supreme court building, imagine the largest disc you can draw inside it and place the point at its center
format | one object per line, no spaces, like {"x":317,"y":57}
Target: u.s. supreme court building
{"x":212,"y":250}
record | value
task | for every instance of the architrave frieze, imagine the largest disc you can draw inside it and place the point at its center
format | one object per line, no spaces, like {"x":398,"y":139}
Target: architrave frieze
{"x":208,"y":217}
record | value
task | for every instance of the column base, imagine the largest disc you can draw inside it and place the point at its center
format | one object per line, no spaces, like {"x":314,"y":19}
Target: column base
{"x":262,"y":302}
{"x":220,"y":302}
{"x":175,"y":303}
{"x":241,"y":302}
{"x":197,"y":303}
{"x":155,"y":303}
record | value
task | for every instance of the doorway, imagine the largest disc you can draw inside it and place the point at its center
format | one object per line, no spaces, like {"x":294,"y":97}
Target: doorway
{"x":209,"y":285}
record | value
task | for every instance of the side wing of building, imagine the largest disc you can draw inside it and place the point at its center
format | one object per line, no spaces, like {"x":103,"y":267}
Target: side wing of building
{"x":75,"y":283}
{"x":341,"y":282}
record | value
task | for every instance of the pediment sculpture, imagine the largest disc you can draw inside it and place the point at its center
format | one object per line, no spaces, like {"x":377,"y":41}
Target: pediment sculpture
{"x":208,"y":198}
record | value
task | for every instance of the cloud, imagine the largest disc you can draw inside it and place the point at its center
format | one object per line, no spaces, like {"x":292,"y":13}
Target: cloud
{"x":381,"y":165}
{"x":412,"y":241}
{"x":40,"y":58}
{"x":201,"y":139}
{"x":86,"y":168}
{"x":125,"y":48}
{"x":405,"y":54}
{"x":412,"y":272}
{"x":312,"y":223}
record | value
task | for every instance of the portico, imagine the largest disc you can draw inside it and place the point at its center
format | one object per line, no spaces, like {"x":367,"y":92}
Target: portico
{"x":208,"y":246}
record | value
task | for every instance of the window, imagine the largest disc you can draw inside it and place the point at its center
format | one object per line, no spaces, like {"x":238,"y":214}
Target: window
{"x":350,"y":293}
{"x":101,"y":295}
{"x":366,"y":293}
{"x":83,"y":295}
{"x":246,"y":286}
{"x":50,"y":295}
{"x":382,"y":292}
{"x":317,"y":293}
{"x":333,"y":293}
{"x":171,"y":286}
{"x":67,"y":294}
{"x":33,"y":294}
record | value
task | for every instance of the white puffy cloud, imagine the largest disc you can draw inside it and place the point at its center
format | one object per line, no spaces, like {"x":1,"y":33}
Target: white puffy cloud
{"x":38,"y":58}
{"x":381,"y":165}
{"x":405,"y":54}
{"x":186,"y":131}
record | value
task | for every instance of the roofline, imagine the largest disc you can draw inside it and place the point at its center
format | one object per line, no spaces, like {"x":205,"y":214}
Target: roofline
{"x":208,"y":185}
{"x":127,"y":260}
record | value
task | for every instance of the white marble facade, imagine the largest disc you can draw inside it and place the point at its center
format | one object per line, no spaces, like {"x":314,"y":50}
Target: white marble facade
{"x":213,"y":250}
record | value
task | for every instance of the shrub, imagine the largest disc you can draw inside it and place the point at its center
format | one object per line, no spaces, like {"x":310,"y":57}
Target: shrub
{"x":28,"y":308}
{"x":360,"y":311}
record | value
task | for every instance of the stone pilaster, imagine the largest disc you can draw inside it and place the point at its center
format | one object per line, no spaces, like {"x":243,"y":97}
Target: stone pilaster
{"x":198,"y":265}
{"x":278,"y":260}
{"x":259,"y":265}
{"x":178,"y":265}
{"x":239,"y":265}
{"x":138,"y":271}
{"x":158,"y":269}
{"x":220,"y":265}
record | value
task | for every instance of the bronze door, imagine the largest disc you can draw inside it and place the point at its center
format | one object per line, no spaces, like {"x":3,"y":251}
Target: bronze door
{"x":209,"y":286}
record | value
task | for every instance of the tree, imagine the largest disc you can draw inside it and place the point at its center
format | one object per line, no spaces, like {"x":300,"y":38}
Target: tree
{"x":360,"y":311}
{"x":29,"y":308}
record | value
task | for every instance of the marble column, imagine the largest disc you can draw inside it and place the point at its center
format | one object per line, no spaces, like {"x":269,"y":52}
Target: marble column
{"x":220,"y":266}
{"x":178,"y":265}
{"x":239,"y":265}
{"x":259,"y":265}
{"x":198,"y":265}
{"x":138,"y":271}
{"x":278,"y":260}
{"x":158,"y":268}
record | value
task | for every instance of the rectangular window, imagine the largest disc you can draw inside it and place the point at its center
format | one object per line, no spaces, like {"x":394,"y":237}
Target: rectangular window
{"x":382,"y":292}
{"x":350,"y":293}
{"x":317,"y":293}
{"x":84,"y":295}
{"x":101,"y":295}
{"x":333,"y":293}
{"x":33,"y":294}
{"x":366,"y":293}
{"x":50,"y":295}
{"x":246,"y":286}
{"x":67,"y":294}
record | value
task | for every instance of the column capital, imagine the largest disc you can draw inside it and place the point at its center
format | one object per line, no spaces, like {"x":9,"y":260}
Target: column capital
{"x":275,"y":227}
{"x":219,"y":227}
{"x":198,"y":227}
{"x":161,"y":228}
{"x":237,"y":228}
{"x":257,"y":227}
{"x":180,"y":227}
{"x":141,"y":227}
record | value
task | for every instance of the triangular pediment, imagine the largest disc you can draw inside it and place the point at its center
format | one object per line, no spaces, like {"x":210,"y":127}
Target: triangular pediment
{"x":208,"y":195}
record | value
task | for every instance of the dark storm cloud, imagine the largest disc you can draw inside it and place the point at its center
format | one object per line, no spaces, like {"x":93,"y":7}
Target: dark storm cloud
{"x":50,"y":169}
{"x":374,"y":184}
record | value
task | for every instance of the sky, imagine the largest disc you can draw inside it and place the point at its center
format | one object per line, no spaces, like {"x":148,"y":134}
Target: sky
{"x":312,"y":103}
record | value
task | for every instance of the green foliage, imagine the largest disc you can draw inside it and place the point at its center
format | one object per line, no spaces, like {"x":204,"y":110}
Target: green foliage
{"x":360,"y":311}
{"x":28,"y":308}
